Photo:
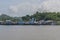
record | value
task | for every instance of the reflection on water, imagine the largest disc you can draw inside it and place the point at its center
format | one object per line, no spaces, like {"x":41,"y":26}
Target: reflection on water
{"x":29,"y":32}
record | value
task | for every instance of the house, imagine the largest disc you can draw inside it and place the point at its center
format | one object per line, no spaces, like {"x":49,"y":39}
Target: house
{"x":41,"y":21}
{"x":1,"y":22}
{"x":8,"y":22}
{"x":47,"y":22}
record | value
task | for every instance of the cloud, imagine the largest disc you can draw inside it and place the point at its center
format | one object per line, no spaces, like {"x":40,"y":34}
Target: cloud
{"x":51,"y":5}
{"x":14,"y":9}
{"x":30,"y":8}
{"x":0,"y":13}
{"x":24,"y":8}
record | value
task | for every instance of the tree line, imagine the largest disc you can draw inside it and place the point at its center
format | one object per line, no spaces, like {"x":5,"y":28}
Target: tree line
{"x":37,"y":16}
{"x":43,"y":16}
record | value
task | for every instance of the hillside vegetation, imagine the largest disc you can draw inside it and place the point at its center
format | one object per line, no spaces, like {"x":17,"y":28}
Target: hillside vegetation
{"x":43,"y":16}
{"x":38,"y":16}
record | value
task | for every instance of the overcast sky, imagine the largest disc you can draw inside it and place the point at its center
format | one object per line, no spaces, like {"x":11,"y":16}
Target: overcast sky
{"x":28,"y":7}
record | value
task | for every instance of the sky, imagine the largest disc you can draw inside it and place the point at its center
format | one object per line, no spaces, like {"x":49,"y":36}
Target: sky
{"x":28,"y":7}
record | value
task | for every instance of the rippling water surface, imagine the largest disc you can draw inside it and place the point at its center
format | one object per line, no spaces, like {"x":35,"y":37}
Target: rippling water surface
{"x":29,"y":32}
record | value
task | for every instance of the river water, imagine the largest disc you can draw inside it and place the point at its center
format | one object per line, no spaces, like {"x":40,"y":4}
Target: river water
{"x":29,"y":32}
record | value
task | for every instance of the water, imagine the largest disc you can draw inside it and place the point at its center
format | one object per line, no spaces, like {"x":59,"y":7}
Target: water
{"x":29,"y":32}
